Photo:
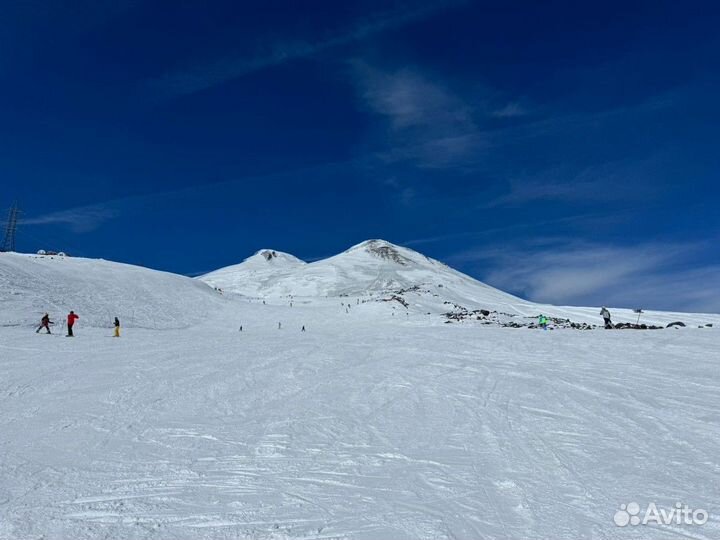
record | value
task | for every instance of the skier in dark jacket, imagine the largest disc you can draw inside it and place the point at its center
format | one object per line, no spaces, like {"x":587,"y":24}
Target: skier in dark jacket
{"x":71,"y":318}
{"x":116,"y":324}
{"x":45,"y":323}
{"x":605,"y":314}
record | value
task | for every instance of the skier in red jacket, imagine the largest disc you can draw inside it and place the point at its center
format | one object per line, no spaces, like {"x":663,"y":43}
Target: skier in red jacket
{"x":70,"y":322}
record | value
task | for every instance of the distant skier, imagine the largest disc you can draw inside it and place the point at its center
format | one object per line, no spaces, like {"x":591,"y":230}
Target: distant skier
{"x":543,"y":322}
{"x":71,"y":318}
{"x":241,"y":327}
{"x":45,"y":323}
{"x":303,"y":328}
{"x":605,"y":314}
{"x":279,"y":326}
{"x":117,"y":327}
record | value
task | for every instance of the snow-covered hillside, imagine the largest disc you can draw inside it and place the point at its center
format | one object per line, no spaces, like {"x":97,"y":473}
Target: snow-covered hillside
{"x":31,"y":285}
{"x":360,"y":428}
{"x":384,"y":418}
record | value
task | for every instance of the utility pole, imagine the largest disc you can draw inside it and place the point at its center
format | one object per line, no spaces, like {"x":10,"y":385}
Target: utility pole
{"x":11,"y":229}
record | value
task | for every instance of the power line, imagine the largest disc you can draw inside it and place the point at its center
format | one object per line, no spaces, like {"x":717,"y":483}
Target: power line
{"x":11,"y":229}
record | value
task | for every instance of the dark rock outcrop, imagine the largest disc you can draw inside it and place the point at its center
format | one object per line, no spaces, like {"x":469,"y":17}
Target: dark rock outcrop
{"x":631,"y":326}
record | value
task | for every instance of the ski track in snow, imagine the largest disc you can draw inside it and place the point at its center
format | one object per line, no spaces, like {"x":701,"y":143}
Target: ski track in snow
{"x":354,"y":429}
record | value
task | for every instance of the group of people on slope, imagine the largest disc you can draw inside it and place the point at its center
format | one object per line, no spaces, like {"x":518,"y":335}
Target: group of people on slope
{"x":604,"y":313}
{"x":45,"y":323}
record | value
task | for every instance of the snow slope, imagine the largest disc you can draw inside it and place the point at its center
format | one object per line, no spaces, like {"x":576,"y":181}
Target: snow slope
{"x":355,"y":429}
{"x":378,"y":422}
{"x":98,"y":291}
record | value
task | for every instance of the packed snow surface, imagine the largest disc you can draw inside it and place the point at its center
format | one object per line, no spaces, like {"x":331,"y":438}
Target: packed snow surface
{"x":378,"y":422}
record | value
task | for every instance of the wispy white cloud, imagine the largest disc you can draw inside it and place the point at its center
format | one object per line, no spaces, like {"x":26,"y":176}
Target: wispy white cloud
{"x":89,"y":217}
{"x":511,"y":110}
{"x":522,"y":192}
{"x":441,"y":152}
{"x":410,"y":100}
{"x":79,"y":219}
{"x":426,"y":123}
{"x":561,"y":271}
{"x":611,"y":181}
{"x":684,"y":290}
{"x":580,"y":219}
{"x":205,"y":75}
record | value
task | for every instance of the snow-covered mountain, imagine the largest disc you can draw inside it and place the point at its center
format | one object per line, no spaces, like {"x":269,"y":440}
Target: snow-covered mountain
{"x":373,"y":266}
{"x":250,"y":276}
{"x":99,"y":290}
{"x":381,"y":271}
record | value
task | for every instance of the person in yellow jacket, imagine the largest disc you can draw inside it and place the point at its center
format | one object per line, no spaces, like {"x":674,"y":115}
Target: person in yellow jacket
{"x":117,"y":327}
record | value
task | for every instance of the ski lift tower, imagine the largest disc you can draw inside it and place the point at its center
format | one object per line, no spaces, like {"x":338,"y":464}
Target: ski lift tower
{"x":11,"y":229}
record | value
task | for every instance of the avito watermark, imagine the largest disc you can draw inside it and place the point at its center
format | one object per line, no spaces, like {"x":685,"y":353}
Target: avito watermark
{"x":680,"y":514}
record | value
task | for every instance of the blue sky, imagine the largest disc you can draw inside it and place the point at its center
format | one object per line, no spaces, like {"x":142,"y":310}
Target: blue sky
{"x":563,"y":151}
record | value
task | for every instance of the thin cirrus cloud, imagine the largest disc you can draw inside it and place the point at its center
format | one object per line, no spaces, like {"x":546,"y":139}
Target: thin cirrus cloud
{"x":560,"y":271}
{"x":611,"y":181}
{"x":200,"y":77}
{"x":587,"y":219}
{"x":410,"y":100}
{"x":87,"y":218}
{"x":523,"y":192}
{"x":80,"y":219}
{"x":426,"y":123}
{"x":511,"y":110}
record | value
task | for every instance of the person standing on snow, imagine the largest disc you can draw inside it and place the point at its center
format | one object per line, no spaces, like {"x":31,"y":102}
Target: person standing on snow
{"x":45,"y":323}
{"x":117,"y":327}
{"x":605,"y":314}
{"x":543,"y":322}
{"x":71,"y":318}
